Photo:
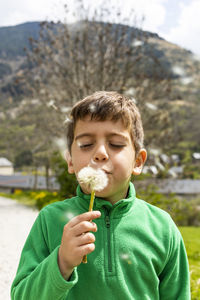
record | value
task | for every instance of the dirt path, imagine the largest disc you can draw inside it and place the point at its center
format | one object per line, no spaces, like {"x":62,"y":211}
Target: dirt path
{"x":15,"y":223}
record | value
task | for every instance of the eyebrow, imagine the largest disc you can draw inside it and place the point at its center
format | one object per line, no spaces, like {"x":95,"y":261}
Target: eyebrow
{"x":110,"y":135}
{"x":83,"y":135}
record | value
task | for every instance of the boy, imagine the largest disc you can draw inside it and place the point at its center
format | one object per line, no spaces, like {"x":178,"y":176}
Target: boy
{"x":137,"y":252}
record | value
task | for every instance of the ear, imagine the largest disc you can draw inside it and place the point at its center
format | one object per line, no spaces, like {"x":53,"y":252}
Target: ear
{"x":69,"y":162}
{"x":139,"y":162}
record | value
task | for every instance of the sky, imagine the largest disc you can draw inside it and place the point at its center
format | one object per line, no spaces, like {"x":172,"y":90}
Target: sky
{"x":178,"y":21}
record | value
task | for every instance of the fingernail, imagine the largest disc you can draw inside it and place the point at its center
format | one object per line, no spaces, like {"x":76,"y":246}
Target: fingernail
{"x":98,"y":213}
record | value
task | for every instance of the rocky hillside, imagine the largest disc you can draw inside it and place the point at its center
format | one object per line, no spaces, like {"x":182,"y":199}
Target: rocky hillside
{"x":182,"y":66}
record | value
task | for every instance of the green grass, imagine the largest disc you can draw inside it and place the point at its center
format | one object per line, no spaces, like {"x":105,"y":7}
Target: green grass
{"x":191,"y":237}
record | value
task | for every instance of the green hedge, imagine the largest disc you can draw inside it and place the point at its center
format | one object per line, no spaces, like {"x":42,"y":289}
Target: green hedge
{"x":183,"y":212}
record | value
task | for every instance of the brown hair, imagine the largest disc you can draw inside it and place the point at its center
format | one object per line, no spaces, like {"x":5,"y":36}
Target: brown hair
{"x":102,"y":106}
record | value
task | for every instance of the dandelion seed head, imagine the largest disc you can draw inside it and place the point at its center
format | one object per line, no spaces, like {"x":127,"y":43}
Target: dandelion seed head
{"x":126,"y":258}
{"x":130,"y":92}
{"x":67,"y":120}
{"x":92,"y":108}
{"x":178,"y":70}
{"x":186,"y":80}
{"x":94,"y":179}
{"x":51,"y":103}
{"x":67,"y":216}
{"x":78,"y":143}
{"x":151,"y":106}
{"x":137,"y":43}
{"x":134,"y":100}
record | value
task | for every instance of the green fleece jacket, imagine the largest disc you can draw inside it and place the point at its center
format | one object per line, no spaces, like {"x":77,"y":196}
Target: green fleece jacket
{"x":139,"y":254}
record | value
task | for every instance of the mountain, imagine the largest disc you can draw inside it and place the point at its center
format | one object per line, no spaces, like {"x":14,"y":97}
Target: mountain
{"x":182,"y":67}
{"x":15,"y":38}
{"x":178,"y":62}
{"x":13,"y":41}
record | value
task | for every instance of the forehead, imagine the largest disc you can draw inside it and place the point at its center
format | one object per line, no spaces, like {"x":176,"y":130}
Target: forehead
{"x":107,"y":127}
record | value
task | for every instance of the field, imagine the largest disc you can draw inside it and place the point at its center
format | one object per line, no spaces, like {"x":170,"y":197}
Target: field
{"x":191,"y":236}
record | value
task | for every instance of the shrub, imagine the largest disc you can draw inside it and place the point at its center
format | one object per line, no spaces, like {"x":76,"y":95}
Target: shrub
{"x":44,"y":198}
{"x":68,"y":182}
{"x":183,"y":212}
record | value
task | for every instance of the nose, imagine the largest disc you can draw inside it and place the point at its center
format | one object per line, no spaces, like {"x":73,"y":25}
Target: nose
{"x":100,"y":154}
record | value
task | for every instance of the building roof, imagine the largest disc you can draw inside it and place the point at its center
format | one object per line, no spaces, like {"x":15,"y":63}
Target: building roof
{"x":179,"y":186}
{"x":4,"y":162}
{"x":27,"y":182}
{"x":175,"y":186}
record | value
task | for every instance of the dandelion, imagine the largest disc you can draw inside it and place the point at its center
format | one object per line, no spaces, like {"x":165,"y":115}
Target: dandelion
{"x":94,"y":180}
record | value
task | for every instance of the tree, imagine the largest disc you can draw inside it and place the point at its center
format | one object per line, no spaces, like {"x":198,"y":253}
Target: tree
{"x":24,"y":158}
{"x":70,"y":61}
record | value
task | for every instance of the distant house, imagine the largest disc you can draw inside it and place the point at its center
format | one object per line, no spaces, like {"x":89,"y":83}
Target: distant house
{"x":181,"y":187}
{"x":186,"y":188}
{"x":8,"y":183}
{"x":6,"y":167}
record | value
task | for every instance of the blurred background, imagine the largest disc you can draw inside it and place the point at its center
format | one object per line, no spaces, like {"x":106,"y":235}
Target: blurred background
{"x":52,"y":54}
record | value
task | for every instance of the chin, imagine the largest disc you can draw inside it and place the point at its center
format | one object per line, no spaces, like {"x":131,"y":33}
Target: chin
{"x":103,"y":194}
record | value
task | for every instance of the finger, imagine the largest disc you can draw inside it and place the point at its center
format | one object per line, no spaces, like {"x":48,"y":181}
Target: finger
{"x":90,"y":215}
{"x":84,"y":227}
{"x":86,"y":249}
{"x":85,"y":239}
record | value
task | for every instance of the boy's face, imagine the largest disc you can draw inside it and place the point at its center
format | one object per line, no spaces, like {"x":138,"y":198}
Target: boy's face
{"x":108,"y":146}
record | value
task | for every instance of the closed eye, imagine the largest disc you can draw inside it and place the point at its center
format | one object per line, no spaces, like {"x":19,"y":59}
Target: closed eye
{"x":117,"y":145}
{"x":84,"y":146}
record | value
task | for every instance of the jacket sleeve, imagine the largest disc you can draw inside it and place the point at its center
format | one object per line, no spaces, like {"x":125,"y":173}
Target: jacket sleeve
{"x":175,"y":277}
{"x":38,"y":275}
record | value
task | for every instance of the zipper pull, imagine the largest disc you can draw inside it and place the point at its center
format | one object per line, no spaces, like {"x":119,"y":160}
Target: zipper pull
{"x":107,"y":221}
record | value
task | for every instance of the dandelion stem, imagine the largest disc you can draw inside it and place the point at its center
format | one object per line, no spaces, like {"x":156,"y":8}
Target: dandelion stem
{"x":92,"y":200}
{"x":84,"y":260}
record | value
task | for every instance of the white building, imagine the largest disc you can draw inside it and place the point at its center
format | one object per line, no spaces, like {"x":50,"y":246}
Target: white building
{"x":6,"y":167}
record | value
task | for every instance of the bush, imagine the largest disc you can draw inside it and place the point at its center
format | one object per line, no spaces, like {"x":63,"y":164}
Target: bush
{"x":183,"y":212}
{"x":68,"y":182}
{"x":44,"y":198}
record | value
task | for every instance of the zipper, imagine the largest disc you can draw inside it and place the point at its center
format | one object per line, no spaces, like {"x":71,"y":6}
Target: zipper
{"x":107,"y":221}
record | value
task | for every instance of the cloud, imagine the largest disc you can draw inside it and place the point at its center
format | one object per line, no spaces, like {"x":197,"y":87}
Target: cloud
{"x":187,"y":31}
{"x":153,"y":11}
{"x":16,"y":12}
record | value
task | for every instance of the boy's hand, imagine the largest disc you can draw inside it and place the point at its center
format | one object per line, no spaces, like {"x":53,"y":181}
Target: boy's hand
{"x":77,"y":241}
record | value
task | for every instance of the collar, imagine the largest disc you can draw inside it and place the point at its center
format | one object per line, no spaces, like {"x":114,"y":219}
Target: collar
{"x":121,"y":207}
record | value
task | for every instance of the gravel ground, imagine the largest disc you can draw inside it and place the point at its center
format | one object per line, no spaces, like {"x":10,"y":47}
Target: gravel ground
{"x":15,"y":223}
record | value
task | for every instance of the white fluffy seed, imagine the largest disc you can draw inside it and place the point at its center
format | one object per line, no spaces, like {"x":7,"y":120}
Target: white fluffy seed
{"x":94,"y":179}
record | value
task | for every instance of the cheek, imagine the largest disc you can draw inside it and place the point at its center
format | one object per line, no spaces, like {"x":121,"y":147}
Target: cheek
{"x":125,"y":162}
{"x":79,"y":161}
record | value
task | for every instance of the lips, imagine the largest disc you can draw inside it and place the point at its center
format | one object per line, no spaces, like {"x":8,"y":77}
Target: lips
{"x":107,"y":172}
{"x":95,"y":166}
